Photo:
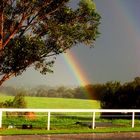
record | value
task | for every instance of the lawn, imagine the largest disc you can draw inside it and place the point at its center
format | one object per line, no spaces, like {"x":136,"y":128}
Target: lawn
{"x":58,"y":120}
{"x":66,"y":131}
{"x":62,"y":122}
{"x":57,"y":103}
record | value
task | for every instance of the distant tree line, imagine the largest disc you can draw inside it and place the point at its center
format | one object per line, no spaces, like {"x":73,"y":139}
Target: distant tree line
{"x":45,"y":91}
{"x":111,"y":94}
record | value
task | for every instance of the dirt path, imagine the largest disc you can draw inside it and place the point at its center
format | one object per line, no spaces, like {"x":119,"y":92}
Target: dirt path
{"x":97,"y":136}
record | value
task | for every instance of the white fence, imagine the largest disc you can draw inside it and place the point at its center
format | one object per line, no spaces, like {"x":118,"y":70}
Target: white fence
{"x":93,"y":111}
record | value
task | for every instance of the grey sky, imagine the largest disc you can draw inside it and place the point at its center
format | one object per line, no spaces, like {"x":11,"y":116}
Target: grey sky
{"x":114,"y":58}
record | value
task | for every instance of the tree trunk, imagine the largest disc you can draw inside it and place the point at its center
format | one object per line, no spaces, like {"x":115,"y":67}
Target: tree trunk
{"x":1,"y":25}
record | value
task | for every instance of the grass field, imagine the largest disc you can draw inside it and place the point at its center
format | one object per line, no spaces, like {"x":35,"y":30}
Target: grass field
{"x":58,"y":120}
{"x":67,"y":131}
{"x":53,"y":103}
{"x":62,"y":122}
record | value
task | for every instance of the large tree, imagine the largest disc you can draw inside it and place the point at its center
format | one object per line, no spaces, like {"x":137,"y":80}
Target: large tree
{"x":33,"y":32}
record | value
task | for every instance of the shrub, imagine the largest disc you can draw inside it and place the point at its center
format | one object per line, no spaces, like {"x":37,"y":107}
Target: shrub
{"x":17,"y":102}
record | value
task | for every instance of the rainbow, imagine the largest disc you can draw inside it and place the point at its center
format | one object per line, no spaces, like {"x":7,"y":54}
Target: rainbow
{"x":123,"y":11}
{"x":75,"y":68}
{"x":77,"y":71}
{"x":123,"y":14}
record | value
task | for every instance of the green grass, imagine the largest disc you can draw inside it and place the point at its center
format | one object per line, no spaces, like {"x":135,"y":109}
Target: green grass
{"x":66,"y":131}
{"x":41,"y":102}
{"x":59,"y":121}
{"x":3,"y":98}
{"x":62,"y":122}
{"x":57,"y":103}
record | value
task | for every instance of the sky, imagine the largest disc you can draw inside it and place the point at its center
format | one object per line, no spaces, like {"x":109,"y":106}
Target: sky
{"x":115,"y":56}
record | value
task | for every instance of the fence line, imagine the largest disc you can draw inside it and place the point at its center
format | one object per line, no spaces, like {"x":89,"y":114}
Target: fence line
{"x":49,"y":111}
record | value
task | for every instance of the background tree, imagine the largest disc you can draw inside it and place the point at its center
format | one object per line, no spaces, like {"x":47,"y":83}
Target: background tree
{"x":33,"y":32}
{"x":117,"y":96}
{"x":80,"y":93}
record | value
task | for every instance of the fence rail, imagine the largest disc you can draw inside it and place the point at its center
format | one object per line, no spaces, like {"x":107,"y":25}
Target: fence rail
{"x":93,"y":111}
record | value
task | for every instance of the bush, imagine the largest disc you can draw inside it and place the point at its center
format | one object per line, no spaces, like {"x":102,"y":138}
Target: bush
{"x":17,"y":102}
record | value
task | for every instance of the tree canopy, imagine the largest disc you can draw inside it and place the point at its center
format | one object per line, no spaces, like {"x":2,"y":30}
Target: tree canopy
{"x":33,"y":32}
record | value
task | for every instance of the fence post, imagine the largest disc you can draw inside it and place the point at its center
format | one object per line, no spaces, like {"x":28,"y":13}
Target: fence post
{"x":49,"y":115}
{"x":93,"y":120}
{"x":133,"y":119}
{"x":0,"y":119}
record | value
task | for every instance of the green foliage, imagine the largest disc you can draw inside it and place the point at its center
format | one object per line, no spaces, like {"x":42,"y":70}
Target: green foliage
{"x":117,"y":96}
{"x":17,"y":102}
{"x":35,"y":34}
{"x":80,"y":93}
{"x":109,"y":95}
{"x":88,"y":4}
{"x":124,"y":96}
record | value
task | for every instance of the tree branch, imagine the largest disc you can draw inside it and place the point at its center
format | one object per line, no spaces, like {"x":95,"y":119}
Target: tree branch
{"x":51,"y":12}
{"x":6,"y":77}
{"x":14,"y":31}
{"x":31,"y":23}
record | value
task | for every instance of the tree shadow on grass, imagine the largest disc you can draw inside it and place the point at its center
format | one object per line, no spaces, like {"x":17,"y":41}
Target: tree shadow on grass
{"x":73,"y":117}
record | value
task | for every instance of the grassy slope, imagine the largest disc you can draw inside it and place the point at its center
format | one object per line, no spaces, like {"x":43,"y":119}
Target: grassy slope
{"x":41,"y":102}
{"x":61,"y":103}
